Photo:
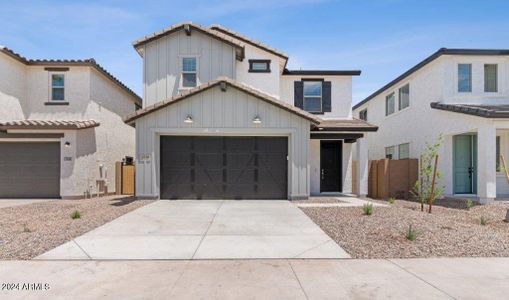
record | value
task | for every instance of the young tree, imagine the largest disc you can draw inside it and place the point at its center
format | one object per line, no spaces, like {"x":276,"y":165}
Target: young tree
{"x":427,"y":188}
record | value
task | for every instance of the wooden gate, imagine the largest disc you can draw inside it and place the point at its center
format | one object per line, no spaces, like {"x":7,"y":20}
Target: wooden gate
{"x":392,"y":178}
{"x":124,"y":179}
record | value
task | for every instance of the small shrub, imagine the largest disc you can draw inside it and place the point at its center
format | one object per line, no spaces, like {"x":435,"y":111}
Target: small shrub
{"x":75,"y":214}
{"x":391,"y":200}
{"x":367,"y":208}
{"x":411,"y":234}
{"x":26,"y":228}
{"x":484,"y":220}
{"x":469,"y":203}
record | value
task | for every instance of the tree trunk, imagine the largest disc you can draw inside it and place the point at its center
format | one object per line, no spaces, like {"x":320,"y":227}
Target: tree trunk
{"x":421,"y":196}
{"x":432,"y":194}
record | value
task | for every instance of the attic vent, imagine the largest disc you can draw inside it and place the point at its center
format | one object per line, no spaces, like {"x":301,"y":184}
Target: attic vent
{"x":187,"y":29}
{"x":223,"y":86}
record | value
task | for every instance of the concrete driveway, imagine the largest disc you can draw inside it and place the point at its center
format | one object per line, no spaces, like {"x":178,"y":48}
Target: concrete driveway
{"x":205,"y":229}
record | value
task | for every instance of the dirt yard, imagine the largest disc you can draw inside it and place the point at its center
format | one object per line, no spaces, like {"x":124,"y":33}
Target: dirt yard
{"x":30,"y":230}
{"x":451,"y":230}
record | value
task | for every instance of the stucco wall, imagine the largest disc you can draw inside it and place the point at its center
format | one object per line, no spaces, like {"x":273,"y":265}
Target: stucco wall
{"x":12,"y":88}
{"x":341,"y":92}
{"x":221,"y":113}
{"x":419,"y":123}
{"x":162,"y":63}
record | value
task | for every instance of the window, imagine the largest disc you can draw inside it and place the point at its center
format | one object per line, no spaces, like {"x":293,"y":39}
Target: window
{"x":464,"y":78}
{"x":404,"y":151}
{"x":404,"y":96}
{"x":389,"y":104}
{"x":363,"y":114}
{"x":490,"y":78}
{"x":189,"y":72}
{"x":57,"y":87}
{"x":390,"y":152}
{"x":313,"y":96}
{"x":259,"y":66}
{"x":498,"y":154}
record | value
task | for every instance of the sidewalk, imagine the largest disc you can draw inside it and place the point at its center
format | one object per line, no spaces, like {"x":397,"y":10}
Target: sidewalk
{"x":441,"y":278}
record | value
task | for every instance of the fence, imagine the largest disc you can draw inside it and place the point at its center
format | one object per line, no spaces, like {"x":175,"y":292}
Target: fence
{"x":392,"y":178}
{"x":124,"y":179}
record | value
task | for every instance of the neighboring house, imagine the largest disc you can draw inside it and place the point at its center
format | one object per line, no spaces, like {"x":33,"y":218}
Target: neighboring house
{"x":460,"y":93}
{"x":222,"y":117}
{"x":61,"y":127}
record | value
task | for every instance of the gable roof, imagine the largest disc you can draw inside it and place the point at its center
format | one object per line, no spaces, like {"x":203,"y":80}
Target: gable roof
{"x":90,"y":62}
{"x":432,"y":57}
{"x":222,"y":81}
{"x":188,"y":25}
{"x":252,"y":42}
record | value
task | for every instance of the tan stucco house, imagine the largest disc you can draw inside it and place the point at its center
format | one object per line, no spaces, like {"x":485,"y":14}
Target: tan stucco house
{"x":61,"y":127}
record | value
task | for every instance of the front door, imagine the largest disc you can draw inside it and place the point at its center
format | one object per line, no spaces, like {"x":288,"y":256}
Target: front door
{"x":330,"y":166}
{"x":465,"y":163}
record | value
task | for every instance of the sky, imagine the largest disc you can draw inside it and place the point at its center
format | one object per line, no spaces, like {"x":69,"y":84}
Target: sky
{"x":383,"y":38}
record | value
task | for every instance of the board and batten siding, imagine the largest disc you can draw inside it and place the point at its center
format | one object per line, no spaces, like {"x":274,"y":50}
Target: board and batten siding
{"x":228,"y":113}
{"x":162,"y":63}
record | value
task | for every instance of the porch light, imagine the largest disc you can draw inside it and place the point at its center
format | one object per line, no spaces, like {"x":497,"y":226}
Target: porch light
{"x":257,"y":120}
{"x":67,"y":144}
{"x":189,"y":119}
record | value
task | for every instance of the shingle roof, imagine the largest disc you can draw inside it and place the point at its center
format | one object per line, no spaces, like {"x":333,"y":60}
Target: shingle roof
{"x":222,"y":80}
{"x":191,"y":25}
{"x":479,"y":110}
{"x":344,"y":125}
{"x":222,"y":29}
{"x":48,"y":124}
{"x":70,"y":62}
{"x":432,"y":57}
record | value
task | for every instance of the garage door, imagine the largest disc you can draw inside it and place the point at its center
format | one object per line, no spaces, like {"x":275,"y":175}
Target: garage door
{"x":223,"y":167}
{"x":29,"y":170}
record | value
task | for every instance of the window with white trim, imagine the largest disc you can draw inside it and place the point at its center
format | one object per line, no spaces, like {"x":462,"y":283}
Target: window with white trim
{"x":404,"y":96}
{"x":189,"y":71}
{"x":363,"y":114}
{"x":404,"y":151}
{"x":490,"y":78}
{"x":390,"y":152}
{"x":389,"y":104}
{"x":313,"y":96}
{"x":57,"y":87}
{"x":464,"y":78}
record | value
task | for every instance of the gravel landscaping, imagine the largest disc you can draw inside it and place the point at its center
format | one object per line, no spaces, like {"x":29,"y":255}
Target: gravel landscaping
{"x":30,"y":230}
{"x":320,"y":200}
{"x":450,"y":231}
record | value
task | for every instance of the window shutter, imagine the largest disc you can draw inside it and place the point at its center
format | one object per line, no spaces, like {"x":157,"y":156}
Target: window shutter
{"x":326,"y":96}
{"x":298,"y":94}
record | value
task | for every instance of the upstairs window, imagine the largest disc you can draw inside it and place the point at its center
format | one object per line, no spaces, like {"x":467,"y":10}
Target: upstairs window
{"x":57,"y":87}
{"x":313,"y":96}
{"x":404,"y":96}
{"x":389,"y":104}
{"x":363,"y":114}
{"x":490,"y":78}
{"x":189,"y":72}
{"x":464,"y":78}
{"x":259,"y":66}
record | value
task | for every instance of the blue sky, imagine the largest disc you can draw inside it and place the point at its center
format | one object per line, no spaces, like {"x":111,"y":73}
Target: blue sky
{"x":382,"y":38}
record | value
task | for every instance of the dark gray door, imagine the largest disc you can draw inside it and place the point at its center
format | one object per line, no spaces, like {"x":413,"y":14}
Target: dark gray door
{"x":29,"y":170}
{"x":223,"y":167}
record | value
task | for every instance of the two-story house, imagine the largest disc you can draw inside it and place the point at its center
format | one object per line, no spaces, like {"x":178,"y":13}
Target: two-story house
{"x":61,"y":127}
{"x":461,"y":94}
{"x":223,"y":117}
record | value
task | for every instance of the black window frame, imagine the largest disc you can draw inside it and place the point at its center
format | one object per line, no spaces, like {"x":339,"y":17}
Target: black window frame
{"x":253,"y":61}
{"x":363,"y":114}
{"x":321,"y":80}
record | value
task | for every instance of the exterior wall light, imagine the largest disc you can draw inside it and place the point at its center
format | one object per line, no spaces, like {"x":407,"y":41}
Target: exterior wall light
{"x":257,"y":120}
{"x":67,"y":144}
{"x":189,"y":119}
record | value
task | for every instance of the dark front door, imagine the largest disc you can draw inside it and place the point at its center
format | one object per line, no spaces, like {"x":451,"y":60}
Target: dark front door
{"x":194,"y":167}
{"x":330,"y":166}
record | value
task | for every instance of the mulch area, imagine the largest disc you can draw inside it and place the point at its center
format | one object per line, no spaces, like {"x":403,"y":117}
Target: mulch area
{"x":30,"y":230}
{"x":451,"y":230}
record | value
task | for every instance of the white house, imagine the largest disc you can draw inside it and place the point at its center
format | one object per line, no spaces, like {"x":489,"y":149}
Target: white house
{"x":223,"y":117}
{"x":462,"y":94}
{"x":61,"y":127}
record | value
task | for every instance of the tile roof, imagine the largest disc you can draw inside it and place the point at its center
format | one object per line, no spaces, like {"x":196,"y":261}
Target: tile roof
{"x":479,"y":110}
{"x":70,"y":62}
{"x":191,"y":25}
{"x":222,"y":29}
{"x":222,"y":80}
{"x":344,"y":125}
{"x":48,"y":124}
